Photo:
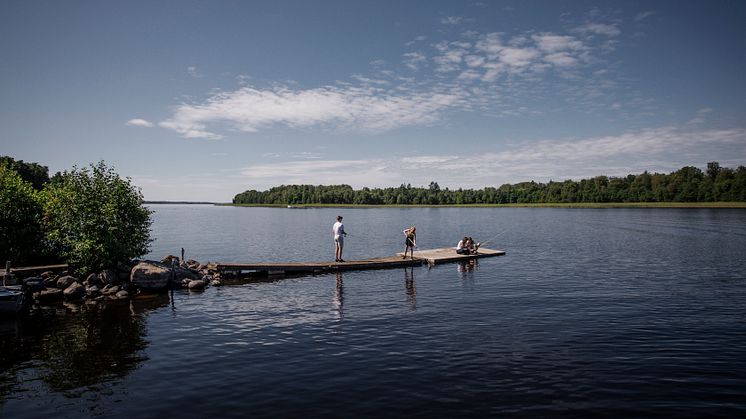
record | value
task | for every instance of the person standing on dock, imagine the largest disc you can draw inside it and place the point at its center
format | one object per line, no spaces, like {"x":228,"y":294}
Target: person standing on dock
{"x":338,"y":230}
{"x":410,"y":240}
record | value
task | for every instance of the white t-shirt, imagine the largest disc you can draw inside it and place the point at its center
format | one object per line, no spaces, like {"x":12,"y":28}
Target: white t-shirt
{"x":460,"y":245}
{"x":338,"y":229}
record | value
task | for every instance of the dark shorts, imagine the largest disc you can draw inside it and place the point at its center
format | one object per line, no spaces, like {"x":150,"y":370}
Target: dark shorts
{"x":408,"y":242}
{"x":462,"y":251}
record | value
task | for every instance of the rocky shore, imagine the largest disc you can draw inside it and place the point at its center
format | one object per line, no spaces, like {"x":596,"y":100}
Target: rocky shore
{"x":125,"y":282}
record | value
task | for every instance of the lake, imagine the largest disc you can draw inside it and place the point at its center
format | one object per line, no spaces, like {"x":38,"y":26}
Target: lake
{"x":592,"y":312}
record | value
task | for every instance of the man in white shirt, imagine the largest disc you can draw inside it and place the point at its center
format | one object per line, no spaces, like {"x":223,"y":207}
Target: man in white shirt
{"x":338,"y":230}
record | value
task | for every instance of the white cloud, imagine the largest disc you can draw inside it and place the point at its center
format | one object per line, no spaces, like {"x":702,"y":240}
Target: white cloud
{"x":599,"y":29}
{"x":518,"y":57}
{"x":562,"y":59}
{"x":452,"y":20}
{"x":194,"y":72}
{"x":644,"y":15}
{"x":649,"y":149}
{"x":137,"y":122}
{"x":358,"y":108}
{"x":549,"y":43}
{"x":414,"y":59}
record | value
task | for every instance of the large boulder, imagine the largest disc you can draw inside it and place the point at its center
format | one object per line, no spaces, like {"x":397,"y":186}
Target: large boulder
{"x":197,"y":284}
{"x":50,"y":295}
{"x":65,"y":281}
{"x":75,"y":291}
{"x":109,"y":276}
{"x":150,"y":276}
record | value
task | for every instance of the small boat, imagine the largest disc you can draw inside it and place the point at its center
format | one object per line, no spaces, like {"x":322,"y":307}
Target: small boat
{"x":11,"y":302}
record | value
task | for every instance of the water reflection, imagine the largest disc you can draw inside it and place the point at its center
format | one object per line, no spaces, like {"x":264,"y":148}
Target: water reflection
{"x":411,"y":288}
{"x":466,"y":267}
{"x":339,"y":297}
{"x":74,"y":346}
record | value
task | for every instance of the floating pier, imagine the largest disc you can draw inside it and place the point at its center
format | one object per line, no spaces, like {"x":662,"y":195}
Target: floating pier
{"x":420,"y":257}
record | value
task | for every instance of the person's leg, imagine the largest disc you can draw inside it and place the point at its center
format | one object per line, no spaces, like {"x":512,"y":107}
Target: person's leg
{"x":341,"y":245}
{"x":337,"y":251}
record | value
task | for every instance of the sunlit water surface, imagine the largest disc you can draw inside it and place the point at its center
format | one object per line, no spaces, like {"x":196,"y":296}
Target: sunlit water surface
{"x":612,"y":312}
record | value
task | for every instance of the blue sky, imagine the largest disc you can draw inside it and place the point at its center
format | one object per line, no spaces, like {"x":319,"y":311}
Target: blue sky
{"x":198,"y":100}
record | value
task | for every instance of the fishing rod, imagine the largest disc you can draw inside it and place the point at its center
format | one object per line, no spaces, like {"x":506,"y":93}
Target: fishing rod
{"x":495,"y":236}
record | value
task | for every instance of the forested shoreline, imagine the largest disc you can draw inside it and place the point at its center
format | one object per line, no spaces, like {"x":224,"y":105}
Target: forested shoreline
{"x":688,"y":184}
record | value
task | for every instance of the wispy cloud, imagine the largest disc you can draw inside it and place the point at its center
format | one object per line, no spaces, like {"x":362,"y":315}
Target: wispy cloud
{"x":413,"y":60}
{"x":192,"y":71}
{"x":452,"y":20}
{"x":644,"y":15}
{"x":137,"y":122}
{"x":356,"y":108}
{"x":463,"y":73}
{"x":631,"y":152}
{"x":599,"y":29}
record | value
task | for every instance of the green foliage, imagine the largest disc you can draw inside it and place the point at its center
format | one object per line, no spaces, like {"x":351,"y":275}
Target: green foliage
{"x":94,"y":218}
{"x":688,"y":184}
{"x":20,"y":212}
{"x":33,"y":173}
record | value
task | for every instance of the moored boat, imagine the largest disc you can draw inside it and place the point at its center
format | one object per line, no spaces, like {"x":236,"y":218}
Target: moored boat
{"x":11,"y":302}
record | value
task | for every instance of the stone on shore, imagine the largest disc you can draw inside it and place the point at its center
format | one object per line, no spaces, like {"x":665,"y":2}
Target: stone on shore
{"x":65,"y":281}
{"x":109,"y":276}
{"x":75,"y":291}
{"x":197,"y":284}
{"x":150,"y":276}
{"x":122,"y":294}
{"x":50,"y":295}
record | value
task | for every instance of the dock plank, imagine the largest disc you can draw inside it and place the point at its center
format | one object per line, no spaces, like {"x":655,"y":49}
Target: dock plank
{"x":431,"y":256}
{"x":448,"y":254}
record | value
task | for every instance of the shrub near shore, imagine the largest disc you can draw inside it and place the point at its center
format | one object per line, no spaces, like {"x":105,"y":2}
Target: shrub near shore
{"x":90,"y":218}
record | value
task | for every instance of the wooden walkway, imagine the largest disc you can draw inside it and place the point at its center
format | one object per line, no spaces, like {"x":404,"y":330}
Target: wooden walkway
{"x":432,"y":257}
{"x":30,"y":270}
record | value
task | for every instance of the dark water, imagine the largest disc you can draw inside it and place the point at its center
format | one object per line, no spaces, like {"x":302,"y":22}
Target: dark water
{"x":615,"y":312}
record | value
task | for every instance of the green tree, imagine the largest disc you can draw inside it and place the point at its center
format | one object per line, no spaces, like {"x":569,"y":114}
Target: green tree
{"x":33,"y":173}
{"x":20,"y":215}
{"x":94,"y":218}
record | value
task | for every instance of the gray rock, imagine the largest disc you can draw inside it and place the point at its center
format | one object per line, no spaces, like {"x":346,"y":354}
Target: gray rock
{"x":46,"y":274}
{"x":196,"y":284}
{"x":150,"y":276}
{"x":51,"y":282}
{"x":50,"y":295}
{"x":75,"y":291}
{"x":167,"y":260}
{"x":122,"y":294}
{"x":91,"y":279}
{"x":93,"y":291}
{"x":65,"y":281}
{"x":216,"y":283}
{"x":109,"y":276}
{"x":110,"y":289}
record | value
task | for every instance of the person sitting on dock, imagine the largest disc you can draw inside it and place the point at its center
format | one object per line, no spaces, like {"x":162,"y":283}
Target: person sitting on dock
{"x":471,"y":247}
{"x":461,"y":248}
{"x":410,"y":241}
{"x":338,"y":230}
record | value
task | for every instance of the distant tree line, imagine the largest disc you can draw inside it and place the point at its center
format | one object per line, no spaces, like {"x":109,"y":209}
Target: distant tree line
{"x":688,"y":184}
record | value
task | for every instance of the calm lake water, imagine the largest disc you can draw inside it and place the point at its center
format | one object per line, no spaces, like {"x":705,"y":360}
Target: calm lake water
{"x":593,"y":312}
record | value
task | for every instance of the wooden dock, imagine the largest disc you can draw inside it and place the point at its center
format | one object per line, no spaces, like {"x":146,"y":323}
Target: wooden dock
{"x":432,"y":257}
{"x":449,"y":255}
{"x":31,"y":270}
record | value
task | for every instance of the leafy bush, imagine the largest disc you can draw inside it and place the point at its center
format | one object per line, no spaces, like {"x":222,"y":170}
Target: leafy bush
{"x":20,"y":213}
{"x":94,"y":219}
